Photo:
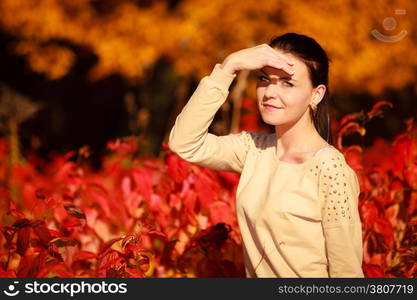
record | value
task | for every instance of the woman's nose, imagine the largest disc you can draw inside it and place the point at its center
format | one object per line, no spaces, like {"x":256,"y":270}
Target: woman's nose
{"x":271,"y":91}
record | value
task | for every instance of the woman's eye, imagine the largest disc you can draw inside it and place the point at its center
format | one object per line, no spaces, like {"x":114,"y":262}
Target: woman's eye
{"x":262,"y":78}
{"x":287,"y":83}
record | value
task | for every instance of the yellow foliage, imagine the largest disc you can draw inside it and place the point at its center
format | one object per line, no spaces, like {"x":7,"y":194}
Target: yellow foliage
{"x":53,"y":60}
{"x":199,"y":33}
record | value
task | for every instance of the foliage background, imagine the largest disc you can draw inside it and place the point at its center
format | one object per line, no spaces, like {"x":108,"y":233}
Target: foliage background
{"x":89,"y":92}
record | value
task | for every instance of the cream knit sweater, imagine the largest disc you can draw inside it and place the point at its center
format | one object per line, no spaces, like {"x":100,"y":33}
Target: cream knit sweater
{"x":296,"y":220}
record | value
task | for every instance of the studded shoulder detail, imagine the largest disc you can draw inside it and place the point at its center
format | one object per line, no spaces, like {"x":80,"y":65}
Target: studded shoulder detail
{"x":323,"y":149}
{"x":258,"y":140}
{"x":336,"y":191}
{"x":245,"y":136}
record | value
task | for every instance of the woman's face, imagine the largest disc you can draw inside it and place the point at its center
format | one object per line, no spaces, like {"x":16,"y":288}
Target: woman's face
{"x":291,"y":94}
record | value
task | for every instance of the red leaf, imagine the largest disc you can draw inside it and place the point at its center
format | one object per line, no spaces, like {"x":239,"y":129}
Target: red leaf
{"x":134,"y":249}
{"x":373,"y":271}
{"x":130,"y":239}
{"x":74,"y":211}
{"x":177,"y":167}
{"x":110,"y":259}
{"x":190,"y":201}
{"x":220,"y":212}
{"x":174,"y":201}
{"x":8,"y":274}
{"x":376,"y":109}
{"x":127,"y":145}
{"x":157,"y":233}
{"x":23,"y":237}
{"x":64,"y":242}
{"x":55,"y":269}
{"x":30,"y":264}
{"x":384,"y":227}
{"x":410,"y":175}
{"x":43,"y":233}
{"x":74,"y":223}
{"x":391,"y":213}
{"x":14,"y":211}
{"x":154,"y":203}
{"x":230,"y":178}
{"x":126,"y":186}
{"x":100,"y":195}
{"x":402,"y":153}
{"x":204,"y":187}
{"x":353,"y":117}
{"x":84,"y":255}
{"x":369,"y":213}
{"x":107,"y":245}
{"x":22,"y":223}
{"x":134,"y":273}
{"x":143,"y":181}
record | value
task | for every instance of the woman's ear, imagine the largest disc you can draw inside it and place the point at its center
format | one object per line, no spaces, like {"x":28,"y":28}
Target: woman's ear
{"x":318,"y":93}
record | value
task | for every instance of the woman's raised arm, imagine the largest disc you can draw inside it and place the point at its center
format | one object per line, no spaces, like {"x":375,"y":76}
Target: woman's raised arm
{"x":189,"y":137}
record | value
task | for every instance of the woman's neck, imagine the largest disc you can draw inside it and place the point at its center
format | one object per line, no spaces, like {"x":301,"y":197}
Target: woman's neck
{"x":299,"y":137}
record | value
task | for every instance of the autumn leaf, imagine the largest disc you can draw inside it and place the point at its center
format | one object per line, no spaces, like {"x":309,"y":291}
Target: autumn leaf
{"x":63,"y":242}
{"x":384,"y":227}
{"x":43,"y":233}
{"x":23,"y":237}
{"x":377,"y":109}
{"x":177,"y":167}
{"x":84,"y":255}
{"x":369,"y":213}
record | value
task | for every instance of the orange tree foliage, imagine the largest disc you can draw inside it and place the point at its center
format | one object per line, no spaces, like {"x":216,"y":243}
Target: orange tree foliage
{"x":128,"y":37}
{"x":166,"y":217}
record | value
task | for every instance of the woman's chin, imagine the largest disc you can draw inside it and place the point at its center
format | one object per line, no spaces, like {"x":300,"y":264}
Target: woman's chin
{"x":270,"y":121}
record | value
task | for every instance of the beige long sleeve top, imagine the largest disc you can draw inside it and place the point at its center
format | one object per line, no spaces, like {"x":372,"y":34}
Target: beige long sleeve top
{"x":296,"y":220}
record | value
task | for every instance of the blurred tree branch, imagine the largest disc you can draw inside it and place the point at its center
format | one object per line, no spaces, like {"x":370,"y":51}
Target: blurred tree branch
{"x":14,"y":110}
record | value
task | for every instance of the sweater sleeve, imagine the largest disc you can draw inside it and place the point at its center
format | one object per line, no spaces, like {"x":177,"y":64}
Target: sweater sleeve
{"x":339,"y":192}
{"x":189,"y":137}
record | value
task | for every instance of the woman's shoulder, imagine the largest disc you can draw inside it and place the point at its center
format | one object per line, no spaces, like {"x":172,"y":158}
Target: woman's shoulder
{"x":256,"y":137}
{"x":260,"y":139}
{"x":252,"y":140}
{"x":334,"y":169}
{"x":329,"y":157}
{"x":329,"y":152}
{"x":332,"y":161}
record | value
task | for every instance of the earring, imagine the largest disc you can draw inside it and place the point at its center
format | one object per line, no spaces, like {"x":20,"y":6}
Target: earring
{"x":313,"y":106}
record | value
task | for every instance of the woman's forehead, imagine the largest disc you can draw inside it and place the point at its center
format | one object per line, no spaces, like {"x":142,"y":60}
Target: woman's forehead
{"x":300,"y":70}
{"x":288,"y":55}
{"x":299,"y":66}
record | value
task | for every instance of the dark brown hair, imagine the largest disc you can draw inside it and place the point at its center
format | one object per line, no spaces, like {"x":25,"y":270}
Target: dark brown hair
{"x":317,"y":62}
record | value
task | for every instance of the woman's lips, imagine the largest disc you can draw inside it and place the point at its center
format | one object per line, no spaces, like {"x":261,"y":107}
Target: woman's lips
{"x":271,"y":107}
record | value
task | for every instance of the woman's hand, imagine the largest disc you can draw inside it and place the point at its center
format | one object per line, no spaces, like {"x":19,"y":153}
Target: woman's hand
{"x":256,"y":58}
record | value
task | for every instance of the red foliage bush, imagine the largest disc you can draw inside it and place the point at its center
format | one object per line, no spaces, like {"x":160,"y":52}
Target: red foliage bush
{"x":133,"y":218}
{"x":169,"y":218}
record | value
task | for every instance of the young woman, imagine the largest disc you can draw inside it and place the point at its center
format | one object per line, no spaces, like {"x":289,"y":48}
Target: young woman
{"x":297,"y":198}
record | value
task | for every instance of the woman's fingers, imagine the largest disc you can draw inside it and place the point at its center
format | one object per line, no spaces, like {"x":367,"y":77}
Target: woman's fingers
{"x":257,"y":57}
{"x":279,"y":64}
{"x":273,"y":52}
{"x":280,"y":61}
